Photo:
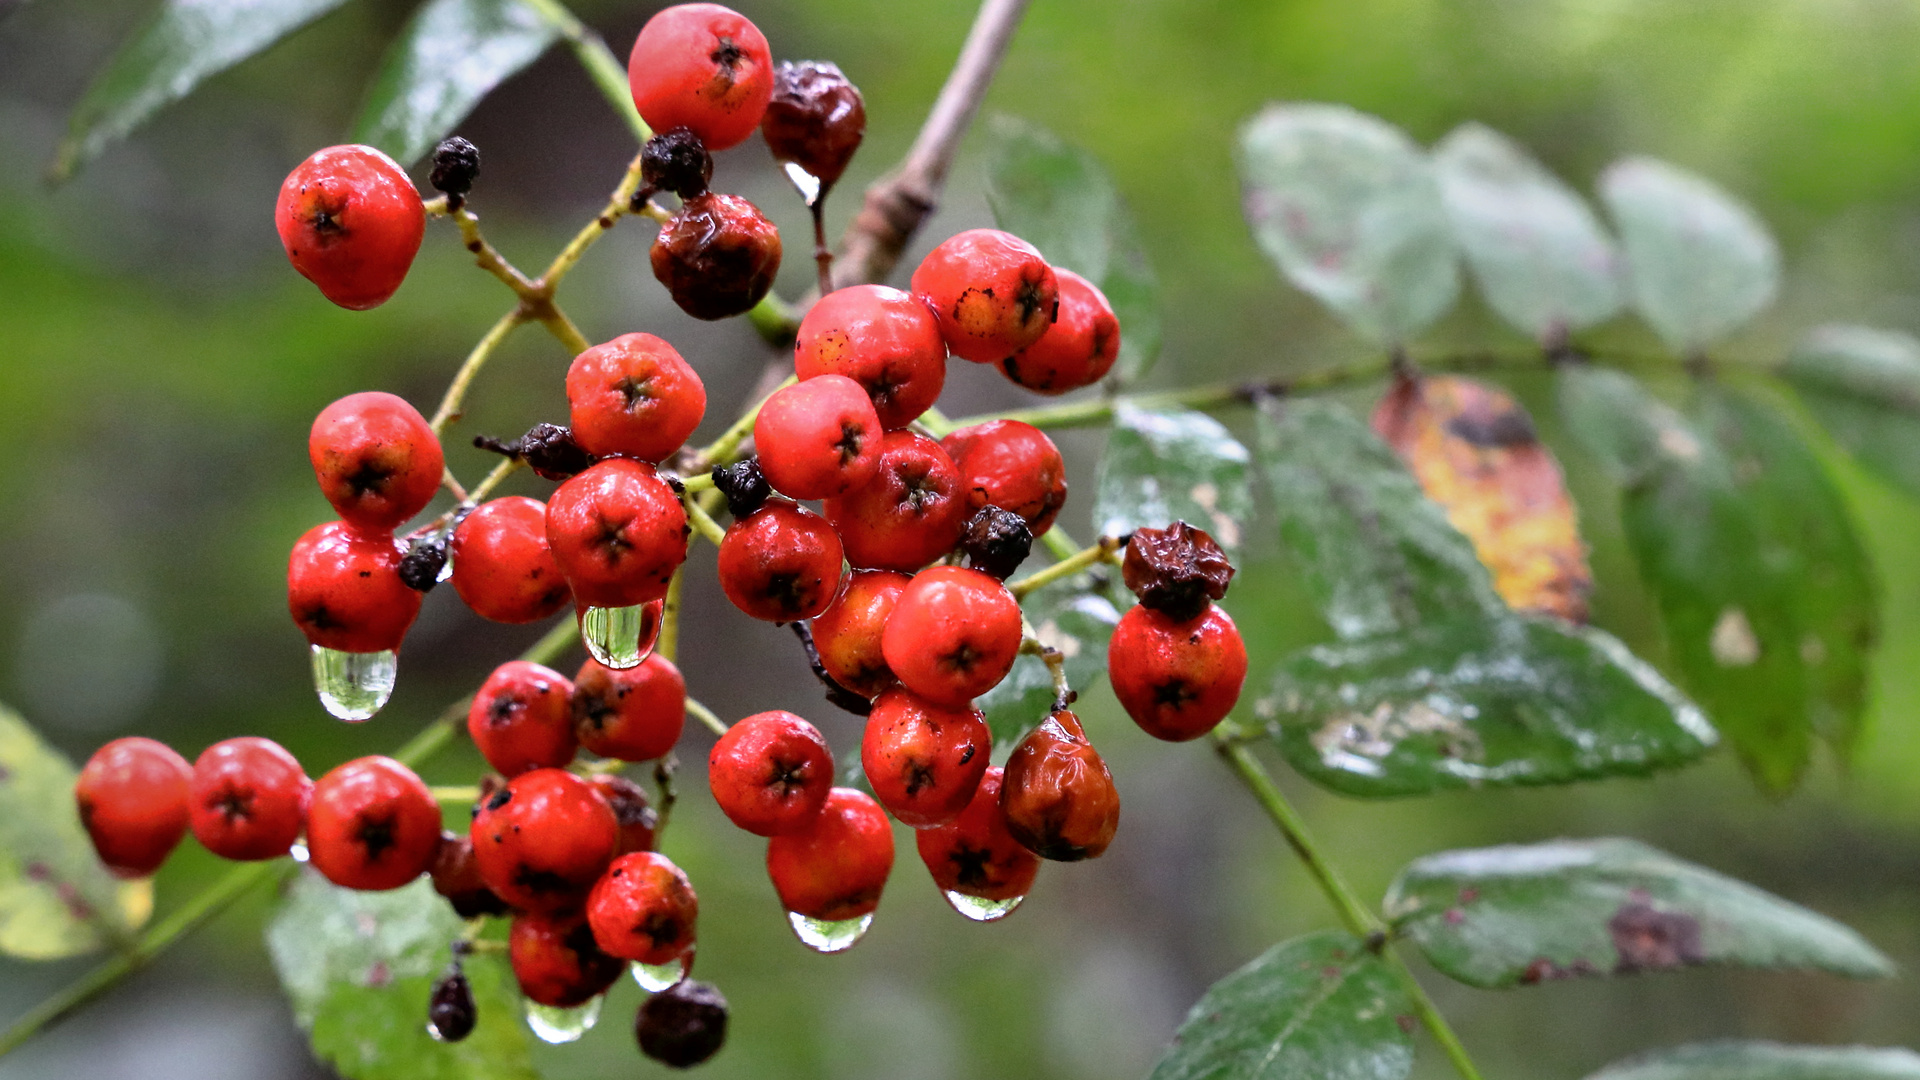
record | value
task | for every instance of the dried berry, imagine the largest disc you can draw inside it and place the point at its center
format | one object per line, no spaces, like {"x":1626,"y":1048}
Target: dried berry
{"x":676,"y":161}
{"x":682,"y":1025}
{"x":451,"y":1013}
{"x":815,"y":120}
{"x":1176,"y":570}
{"x":420,"y":567}
{"x":744,"y":485}
{"x":548,"y":449}
{"x":717,"y":256}
{"x":456,"y":165}
{"x":996,"y":541}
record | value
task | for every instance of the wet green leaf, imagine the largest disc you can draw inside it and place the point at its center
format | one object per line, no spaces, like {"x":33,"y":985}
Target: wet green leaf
{"x":1072,"y":617}
{"x":1864,"y":387}
{"x":1165,"y":465}
{"x":1737,"y":1060}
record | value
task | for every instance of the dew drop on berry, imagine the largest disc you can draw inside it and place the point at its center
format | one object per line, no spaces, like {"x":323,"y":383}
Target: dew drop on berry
{"x":621,"y":637}
{"x":556,"y":1025}
{"x":980,"y":909}
{"x":354,"y":686}
{"x":298,"y":853}
{"x":654,"y":978}
{"x":823,"y":936}
{"x":805,"y":182}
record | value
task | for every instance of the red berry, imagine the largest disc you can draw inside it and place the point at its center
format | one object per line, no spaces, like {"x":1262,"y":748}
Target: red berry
{"x":344,"y":589}
{"x":633,"y":714}
{"x":974,"y":854}
{"x":1013,"y":466}
{"x":351,"y":222}
{"x":1077,"y":350}
{"x":923,"y":759}
{"x":557,"y":962}
{"x":703,"y":67}
{"x":780,"y":563}
{"x":634,"y":397}
{"x":372,"y":825}
{"x":1177,"y":678}
{"x":377,"y":461}
{"x":953,"y":634}
{"x":544,"y":839}
{"x":618,"y":532}
{"x":638,"y":822}
{"x":1056,"y":793}
{"x":717,"y":256}
{"x":835,"y":868}
{"x":456,"y":876}
{"x":522,"y":718}
{"x":991,"y":291}
{"x":133,"y":796}
{"x":819,"y":438}
{"x":885,"y":340}
{"x":815,"y":119}
{"x":643,"y":909}
{"x":910,"y":513}
{"x":249,"y":799}
{"x":502,"y":566}
{"x":847,"y":634}
{"x":770,"y":773}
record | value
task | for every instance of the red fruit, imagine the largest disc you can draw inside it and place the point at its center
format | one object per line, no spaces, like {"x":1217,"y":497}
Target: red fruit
{"x":780,"y":563}
{"x":924,"y":760}
{"x":133,"y":796}
{"x":618,"y":532}
{"x":377,"y":461}
{"x":818,"y":438}
{"x":372,"y":825}
{"x":974,"y":854}
{"x":557,"y":962}
{"x":544,"y":839}
{"x":634,"y":397}
{"x":351,"y":222}
{"x":836,"y":867}
{"x":703,"y":67}
{"x":1077,"y":350}
{"x":643,"y":909}
{"x":847,"y":634}
{"x":885,"y":340}
{"x":770,"y":773}
{"x":910,"y":513}
{"x":953,"y":634}
{"x":502,"y":566}
{"x":638,"y":822}
{"x":344,"y":589}
{"x":717,"y":256}
{"x":991,"y":291}
{"x":249,"y":799}
{"x":456,"y":877}
{"x":522,"y":718}
{"x":1056,"y":793}
{"x":633,"y":714}
{"x":1177,"y":678}
{"x":1013,"y":466}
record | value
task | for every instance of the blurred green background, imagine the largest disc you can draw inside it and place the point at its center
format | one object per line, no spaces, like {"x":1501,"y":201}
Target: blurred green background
{"x":159,"y":364}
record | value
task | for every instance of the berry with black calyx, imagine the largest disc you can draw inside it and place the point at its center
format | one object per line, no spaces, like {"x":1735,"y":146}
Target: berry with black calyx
{"x":1177,"y":570}
{"x":996,"y":541}
{"x":548,"y":449}
{"x":451,"y":1013}
{"x":744,"y":485}
{"x":815,"y":119}
{"x":456,"y":165}
{"x":676,"y":161}
{"x":682,"y":1025}
{"x":420,"y":567}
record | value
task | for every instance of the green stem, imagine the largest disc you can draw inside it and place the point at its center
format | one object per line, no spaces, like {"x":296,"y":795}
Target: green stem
{"x":706,"y":716}
{"x":456,"y":394}
{"x":721,"y":450}
{"x":775,"y":320}
{"x":1101,"y":551}
{"x":609,"y":75}
{"x":668,"y":643}
{"x":703,"y":522}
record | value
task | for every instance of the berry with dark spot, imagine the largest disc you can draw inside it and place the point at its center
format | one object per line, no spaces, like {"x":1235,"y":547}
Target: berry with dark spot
{"x":544,"y":839}
{"x":974,"y":854}
{"x":556,"y":961}
{"x":996,"y":541}
{"x":909,"y":513}
{"x":643,"y":909}
{"x":373,"y":825}
{"x":1177,"y":570}
{"x":456,"y":877}
{"x":676,"y":161}
{"x":991,"y":291}
{"x":1011,"y":465}
{"x":618,"y":532}
{"x":1077,"y":350}
{"x":744,"y":485}
{"x":702,"y":67}
{"x":634,"y":396}
{"x":953,"y":634}
{"x":451,"y":1012}
{"x":1177,"y":678}
{"x":1056,"y":793}
{"x":819,"y":438}
{"x":815,"y":119}
{"x":717,"y":256}
{"x":632,"y":714}
{"x":835,"y":868}
{"x":683,"y":1025}
{"x":134,"y":797}
{"x":885,"y":340}
{"x":522,"y":718}
{"x":638,"y":821}
{"x":377,"y":460}
{"x":770,"y":773}
{"x":249,"y":799}
{"x":344,"y":589}
{"x":351,"y":222}
{"x":456,"y":165}
{"x":502,"y":565}
{"x":923,"y":759}
{"x":848,"y":633}
{"x":780,"y":563}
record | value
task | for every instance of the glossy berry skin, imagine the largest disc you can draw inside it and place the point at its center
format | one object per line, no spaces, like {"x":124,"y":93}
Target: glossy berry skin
{"x":835,"y":868}
{"x":991,"y":291}
{"x":556,"y":961}
{"x":638,"y":822}
{"x":1177,"y":678}
{"x":1013,"y":466}
{"x":910,"y":513}
{"x":618,"y":532}
{"x":502,"y":566}
{"x":1077,"y":350}
{"x":717,"y":256}
{"x":544,"y":839}
{"x":780,"y":563}
{"x":522,"y":718}
{"x":885,"y":340}
{"x":456,"y":877}
{"x":372,"y":825}
{"x":702,"y":67}
{"x":134,"y":796}
{"x":1056,"y":793}
{"x":770,"y":773}
{"x":974,"y":854}
{"x":819,"y":438}
{"x":815,"y":119}
{"x":847,"y":634}
{"x":643,"y":909}
{"x":632,"y":714}
{"x":377,"y":461}
{"x":344,"y":589}
{"x":351,"y":222}
{"x":924,"y":760}
{"x":953,"y":634}
{"x":683,"y":1025}
{"x":634,"y":396}
{"x":249,"y":799}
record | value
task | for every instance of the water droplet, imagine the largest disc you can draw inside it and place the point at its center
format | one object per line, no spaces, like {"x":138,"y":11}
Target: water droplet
{"x":980,"y":909}
{"x":807,"y":183}
{"x":654,"y":978}
{"x":556,"y":1025}
{"x":829,"y":937}
{"x":621,"y":637}
{"x":353,"y":685}
{"x":446,"y":569}
{"x":298,"y":853}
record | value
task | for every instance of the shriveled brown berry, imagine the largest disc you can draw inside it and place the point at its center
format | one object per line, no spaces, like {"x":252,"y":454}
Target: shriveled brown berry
{"x":1177,"y":570}
{"x":717,"y":256}
{"x":1057,"y":794}
{"x":548,"y":449}
{"x":682,"y":1025}
{"x":815,"y":120}
{"x":676,"y":161}
{"x":996,"y":541}
{"x":451,"y":1012}
{"x":456,"y":165}
{"x":744,"y":485}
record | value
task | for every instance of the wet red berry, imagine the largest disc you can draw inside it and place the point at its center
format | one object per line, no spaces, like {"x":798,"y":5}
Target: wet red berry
{"x":637,"y":819}
{"x":1013,"y":466}
{"x":372,"y":824}
{"x":632,"y":714}
{"x":835,"y":868}
{"x":351,"y":222}
{"x":634,"y":396}
{"x":249,"y":799}
{"x":847,"y":634}
{"x":344,"y":589}
{"x":1056,"y":793}
{"x":456,"y":877}
{"x":134,"y":797}
{"x":910,"y":513}
{"x":780,"y":563}
{"x":643,"y":909}
{"x":815,"y":120}
{"x":923,"y":759}
{"x":953,"y":634}
{"x":618,"y":532}
{"x":974,"y":854}
{"x":544,"y":839}
{"x":818,"y":438}
{"x":1177,"y":678}
{"x":557,"y":962}
{"x":885,"y":340}
{"x":502,"y":566}
{"x":1077,"y":350}
{"x":717,"y":256}
{"x":377,"y":461}
{"x":522,"y":718}
{"x":991,"y":291}
{"x":770,"y":773}
{"x":702,"y":67}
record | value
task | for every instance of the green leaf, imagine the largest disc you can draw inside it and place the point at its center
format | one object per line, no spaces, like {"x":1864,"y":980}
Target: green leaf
{"x":1540,"y":255}
{"x":1735,"y":1060}
{"x":1475,"y":703}
{"x":1375,"y":552}
{"x":1699,"y":262}
{"x":56,"y":899}
{"x":1068,"y":616}
{"x":1061,"y":200}
{"x":1347,"y":206}
{"x":186,"y":42}
{"x":1165,"y":465}
{"x":1864,"y":387}
{"x":1504,"y":916}
{"x":1319,"y":1006}
{"x":358,"y":967}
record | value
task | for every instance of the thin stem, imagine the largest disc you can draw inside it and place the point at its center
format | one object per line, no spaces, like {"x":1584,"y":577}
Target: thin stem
{"x":466,"y":794}
{"x":705,"y":716}
{"x":822,"y":254}
{"x":487,"y":258}
{"x":937,"y":424}
{"x":561,"y":327}
{"x":721,"y":450}
{"x":1101,"y":551}
{"x":618,"y":204}
{"x":698,"y":482}
{"x":775,"y":320}
{"x":452,"y":484}
{"x":1430,"y":1017}
{"x":703,"y":522}
{"x":609,"y":75}
{"x":668,"y":643}
{"x":456,"y":394}
{"x":506,"y":468}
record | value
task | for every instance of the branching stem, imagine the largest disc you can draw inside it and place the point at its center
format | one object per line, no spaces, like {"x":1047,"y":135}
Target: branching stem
{"x":1101,"y":551}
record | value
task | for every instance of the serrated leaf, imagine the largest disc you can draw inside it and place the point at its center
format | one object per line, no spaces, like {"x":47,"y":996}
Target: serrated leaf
{"x":1167,"y":465}
{"x":1474,"y":703}
{"x":1863,"y":385}
{"x":185,"y":42}
{"x":1348,"y":208}
{"x":1518,"y":914}
{"x":1540,"y":255}
{"x":1060,"y":199}
{"x":1742,"y":1060}
{"x":56,"y":899}
{"x":1699,"y":262}
{"x":1068,"y":616}
{"x":1319,"y":1006}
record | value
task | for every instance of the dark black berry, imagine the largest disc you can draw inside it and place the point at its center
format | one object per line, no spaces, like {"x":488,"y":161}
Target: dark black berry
{"x":450,"y":1008}
{"x":548,"y":449}
{"x":456,"y":164}
{"x":676,"y":161}
{"x":744,"y":485}
{"x":420,"y":567}
{"x":1177,"y":570}
{"x":682,"y":1025}
{"x":996,"y":541}
{"x":815,"y":119}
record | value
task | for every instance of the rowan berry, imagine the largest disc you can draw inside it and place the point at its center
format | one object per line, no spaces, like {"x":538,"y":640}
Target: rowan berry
{"x":345,"y":592}
{"x":675,"y":161}
{"x":974,"y":854}
{"x":683,"y":1025}
{"x":372,"y":825}
{"x":522,"y":718}
{"x":638,"y":822}
{"x":456,"y":877}
{"x":1077,"y":350}
{"x":770,"y":773}
{"x":1056,"y":793}
{"x":502,"y":566}
{"x":836,"y":867}
{"x":885,"y":340}
{"x":249,"y":799}
{"x":953,"y":634}
{"x":377,"y":461}
{"x":634,"y":396}
{"x":717,"y":256}
{"x":643,"y":909}
{"x":544,"y":839}
{"x":923,"y":759}
{"x":847,"y":634}
{"x":991,"y":291}
{"x":780,"y":563}
{"x":134,"y":796}
{"x":351,"y":222}
{"x":910,"y":513}
{"x":1177,"y":570}
{"x":632,"y":714}
{"x":1177,"y":678}
{"x":1013,"y":466}
{"x":819,"y":438}
{"x":556,"y":961}
{"x":618,"y":532}
{"x":815,"y":119}
{"x":996,"y":542}
{"x":702,"y":67}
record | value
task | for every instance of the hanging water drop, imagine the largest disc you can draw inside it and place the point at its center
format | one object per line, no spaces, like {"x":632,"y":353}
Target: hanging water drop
{"x":446,"y":570}
{"x":353,"y":686}
{"x":298,"y":852}
{"x":980,"y":909}
{"x":621,"y":637}
{"x":805,"y":182}
{"x":654,"y":978}
{"x":829,"y":937}
{"x":556,"y":1025}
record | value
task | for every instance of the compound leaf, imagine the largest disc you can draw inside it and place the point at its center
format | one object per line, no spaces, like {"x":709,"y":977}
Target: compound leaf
{"x":1863,"y":385}
{"x":1167,"y":465}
